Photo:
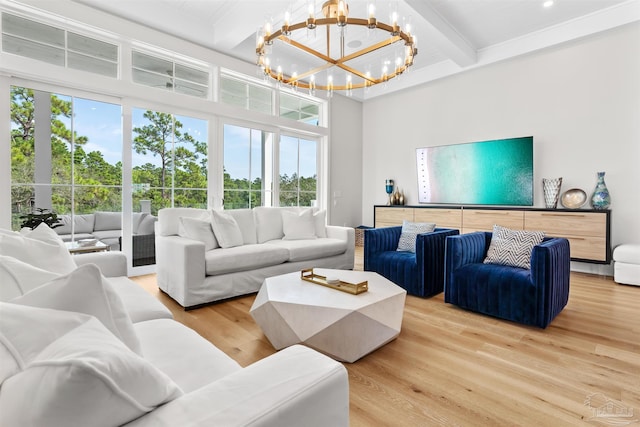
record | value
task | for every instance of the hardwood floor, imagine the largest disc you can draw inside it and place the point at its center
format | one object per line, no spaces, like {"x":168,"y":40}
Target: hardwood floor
{"x":452,"y":367}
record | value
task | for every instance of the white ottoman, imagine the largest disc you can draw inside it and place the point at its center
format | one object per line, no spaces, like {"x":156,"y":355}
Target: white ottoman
{"x":626,"y":264}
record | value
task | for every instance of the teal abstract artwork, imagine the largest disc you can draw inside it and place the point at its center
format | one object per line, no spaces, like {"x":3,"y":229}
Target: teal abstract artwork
{"x":497,"y":172}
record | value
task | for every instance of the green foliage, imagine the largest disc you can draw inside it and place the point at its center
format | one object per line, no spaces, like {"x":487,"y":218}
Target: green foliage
{"x":178,"y":179}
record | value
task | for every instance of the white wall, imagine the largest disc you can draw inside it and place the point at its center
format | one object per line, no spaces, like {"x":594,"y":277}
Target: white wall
{"x":345,"y":167}
{"x":580,"y":101}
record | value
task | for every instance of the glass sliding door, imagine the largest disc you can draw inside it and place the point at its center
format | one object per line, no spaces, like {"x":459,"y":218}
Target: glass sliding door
{"x":248,"y":167}
{"x":66,"y":156}
{"x":169,"y":158}
{"x":298,"y":171}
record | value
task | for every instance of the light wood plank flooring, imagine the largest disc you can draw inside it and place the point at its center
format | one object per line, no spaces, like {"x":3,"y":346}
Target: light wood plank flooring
{"x":451,"y":367}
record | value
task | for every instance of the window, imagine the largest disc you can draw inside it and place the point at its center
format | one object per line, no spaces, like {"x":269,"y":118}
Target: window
{"x":244,"y":94}
{"x":168,"y":75}
{"x":298,"y":171}
{"x":247,"y":167}
{"x":300,"y":109}
{"x":66,"y":155}
{"x":56,"y":46}
{"x":169,"y":161}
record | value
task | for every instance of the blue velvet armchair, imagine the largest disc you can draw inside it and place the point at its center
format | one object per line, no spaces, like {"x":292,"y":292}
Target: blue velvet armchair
{"x":532,"y":297}
{"x":420,"y":273}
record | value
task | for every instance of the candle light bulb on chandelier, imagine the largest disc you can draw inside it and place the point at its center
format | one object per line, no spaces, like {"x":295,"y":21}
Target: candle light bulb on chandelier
{"x":394,"y":24}
{"x":312,"y":85}
{"x":311,"y":20}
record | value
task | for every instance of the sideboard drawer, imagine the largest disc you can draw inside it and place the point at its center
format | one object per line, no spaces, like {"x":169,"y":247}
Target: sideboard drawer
{"x":567,"y":223}
{"x":387,"y":217}
{"x":444,"y":218}
{"x":484,"y":219}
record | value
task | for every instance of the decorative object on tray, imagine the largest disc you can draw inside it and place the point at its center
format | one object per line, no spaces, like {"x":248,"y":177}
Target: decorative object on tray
{"x":551,"y":189}
{"x":600,"y":198}
{"x":334,"y":282}
{"x":574,"y":198}
{"x":388,"y":186}
{"x":87,"y":242}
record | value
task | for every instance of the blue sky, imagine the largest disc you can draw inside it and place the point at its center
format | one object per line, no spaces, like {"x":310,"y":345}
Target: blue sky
{"x":102,"y":123}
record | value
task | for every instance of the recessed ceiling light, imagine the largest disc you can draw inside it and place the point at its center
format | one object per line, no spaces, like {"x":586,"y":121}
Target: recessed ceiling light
{"x":353,"y":44}
{"x":548,"y":3}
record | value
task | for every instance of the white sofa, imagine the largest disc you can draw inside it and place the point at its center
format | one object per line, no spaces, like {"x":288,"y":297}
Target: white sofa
{"x":199,"y":265}
{"x":179,"y":377}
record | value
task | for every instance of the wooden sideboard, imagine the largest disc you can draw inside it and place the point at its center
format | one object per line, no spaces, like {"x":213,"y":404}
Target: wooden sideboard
{"x":588,"y":231}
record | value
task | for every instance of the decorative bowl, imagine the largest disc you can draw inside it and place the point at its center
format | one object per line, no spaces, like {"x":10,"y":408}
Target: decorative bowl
{"x":574,"y":198}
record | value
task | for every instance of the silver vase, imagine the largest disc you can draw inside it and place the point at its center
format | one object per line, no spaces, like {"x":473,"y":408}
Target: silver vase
{"x":551,"y":189}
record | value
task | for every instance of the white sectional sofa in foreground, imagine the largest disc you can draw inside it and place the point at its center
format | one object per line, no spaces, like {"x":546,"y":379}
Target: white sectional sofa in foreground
{"x":81,"y":349}
{"x":208,"y":255}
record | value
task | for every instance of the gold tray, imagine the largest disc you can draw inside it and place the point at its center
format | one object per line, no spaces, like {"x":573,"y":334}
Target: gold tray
{"x":352,"y":288}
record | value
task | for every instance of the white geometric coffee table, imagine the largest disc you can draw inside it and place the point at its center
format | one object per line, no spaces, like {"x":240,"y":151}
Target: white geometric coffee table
{"x":343,"y":326}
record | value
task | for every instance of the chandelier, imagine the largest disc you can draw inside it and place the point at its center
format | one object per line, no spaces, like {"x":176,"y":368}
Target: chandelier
{"x":363,"y":67}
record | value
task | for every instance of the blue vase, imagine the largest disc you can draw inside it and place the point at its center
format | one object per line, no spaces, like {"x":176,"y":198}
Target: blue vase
{"x":601,"y":198}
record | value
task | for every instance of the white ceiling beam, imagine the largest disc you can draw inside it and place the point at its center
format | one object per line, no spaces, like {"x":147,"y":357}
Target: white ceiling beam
{"x":443,"y":35}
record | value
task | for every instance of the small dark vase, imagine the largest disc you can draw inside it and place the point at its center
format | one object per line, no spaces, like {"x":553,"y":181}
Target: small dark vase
{"x":601,"y":199}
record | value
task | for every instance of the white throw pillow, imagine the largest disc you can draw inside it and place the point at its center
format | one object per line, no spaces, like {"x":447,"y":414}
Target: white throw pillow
{"x":77,"y":374}
{"x":410,"y":231}
{"x":246,"y":224}
{"x":298,"y":226}
{"x":268,"y":223}
{"x":320,"y":218}
{"x":42,"y":232}
{"x":226,"y":229}
{"x":85,"y":290}
{"x":198,"y":229}
{"x":512,"y":247}
{"x":41,"y":247}
{"x":18,"y":277}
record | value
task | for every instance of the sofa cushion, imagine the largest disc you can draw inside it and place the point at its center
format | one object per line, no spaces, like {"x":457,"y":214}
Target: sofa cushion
{"x":199,"y":230}
{"x":73,"y":371}
{"x":226,"y":229}
{"x":136,"y":217}
{"x":298,"y":226}
{"x":18,"y":277}
{"x":139,"y":304}
{"x":410,"y":231}
{"x":108,"y":221}
{"x":107,"y":234}
{"x":41,"y":247}
{"x":84,"y":290}
{"x":242,"y":258}
{"x":320,"y":219}
{"x":82,"y":224}
{"x":303,"y":250}
{"x":244,"y":218}
{"x":164,"y":342}
{"x":147,"y":225}
{"x":76,"y":236}
{"x":168,"y":218}
{"x":512,"y":247}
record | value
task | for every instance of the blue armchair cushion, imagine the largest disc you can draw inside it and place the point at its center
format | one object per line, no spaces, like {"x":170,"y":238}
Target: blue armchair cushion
{"x":409,"y":232}
{"x":512,"y":247}
{"x":420,"y":273}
